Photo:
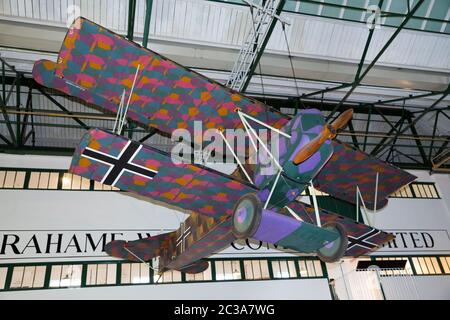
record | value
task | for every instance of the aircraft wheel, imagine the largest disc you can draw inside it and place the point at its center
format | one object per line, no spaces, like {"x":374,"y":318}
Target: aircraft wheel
{"x":335,"y":250}
{"x":246,"y":216}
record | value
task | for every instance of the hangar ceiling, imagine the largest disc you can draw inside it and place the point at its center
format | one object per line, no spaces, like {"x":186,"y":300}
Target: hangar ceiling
{"x":402,"y":104}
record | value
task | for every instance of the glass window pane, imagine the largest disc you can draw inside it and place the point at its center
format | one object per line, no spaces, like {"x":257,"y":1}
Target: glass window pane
{"x":101,"y":274}
{"x":264,"y":269}
{"x":125,"y":273}
{"x":43,"y":180}
{"x":236,"y":270}
{"x":3,"y":273}
{"x":20,"y":179}
{"x":176,"y":276}
{"x":112,"y":272}
{"x":98,"y":185}
{"x":430,"y":266}
{"x":276,"y":269}
{"x":435,"y":263}
{"x":303,"y":270}
{"x":135,"y":273}
{"x":16,"y":281}
{"x":445,"y":261}
{"x":76,"y":275}
{"x":167,"y":277}
{"x":423,"y":266}
{"x":291,"y":268}
{"x":145,"y":273}
{"x":256,"y":269}
{"x":28,"y":277}
{"x":39,"y":277}
{"x":248,"y":269}
{"x":85,"y":184}
{"x":284,"y":269}
{"x":9,"y":179}
{"x":220,"y":275}
{"x":55,"y":276}
{"x":2,"y":178}
{"x":417,"y":266}
{"x":434,"y":191}
{"x":53,"y":181}
{"x":310,"y":267}
{"x":67,"y":181}
{"x":91,"y":274}
{"x":76,"y":182}
{"x":427,"y":190}
{"x":318,"y":268}
{"x":34,"y":180}
{"x":207,"y":273}
{"x":228,"y":271}
{"x":190,"y":277}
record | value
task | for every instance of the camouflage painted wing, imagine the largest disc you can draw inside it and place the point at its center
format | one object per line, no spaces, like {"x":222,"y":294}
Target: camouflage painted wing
{"x":130,"y":166}
{"x":349,"y":168}
{"x":362,"y":238}
{"x":96,"y":65}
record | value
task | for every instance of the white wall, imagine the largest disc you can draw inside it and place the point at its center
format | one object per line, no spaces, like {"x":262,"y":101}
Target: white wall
{"x":428,"y":287}
{"x":67,"y":211}
{"x":313,"y":289}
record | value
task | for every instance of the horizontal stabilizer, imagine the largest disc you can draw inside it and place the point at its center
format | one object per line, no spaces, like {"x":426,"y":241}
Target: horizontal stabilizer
{"x":140,"y":250}
{"x":196,"y":267}
{"x":362,"y":238}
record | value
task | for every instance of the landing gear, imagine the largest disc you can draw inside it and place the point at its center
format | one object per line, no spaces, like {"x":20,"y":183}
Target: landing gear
{"x":246,"y":216}
{"x":335,"y":250}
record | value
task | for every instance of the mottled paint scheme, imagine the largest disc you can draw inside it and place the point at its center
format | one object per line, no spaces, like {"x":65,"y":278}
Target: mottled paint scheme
{"x":96,"y":65}
{"x":353,"y":228}
{"x":217,"y":237}
{"x":185,"y":186}
{"x":349,"y":168}
{"x":304,"y":127}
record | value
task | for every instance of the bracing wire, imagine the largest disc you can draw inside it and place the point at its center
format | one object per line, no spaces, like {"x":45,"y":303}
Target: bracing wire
{"x":290,"y":59}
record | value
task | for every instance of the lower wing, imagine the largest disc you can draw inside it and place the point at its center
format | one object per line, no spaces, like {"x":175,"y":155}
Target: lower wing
{"x":130,"y":166}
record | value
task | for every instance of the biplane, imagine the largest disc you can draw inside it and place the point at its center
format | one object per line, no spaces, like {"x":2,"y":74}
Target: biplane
{"x":103,"y":68}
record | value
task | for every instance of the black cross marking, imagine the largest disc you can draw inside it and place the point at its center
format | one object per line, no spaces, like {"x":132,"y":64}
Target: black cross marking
{"x":362,"y":241}
{"x":119,"y":164}
{"x":181,"y":240}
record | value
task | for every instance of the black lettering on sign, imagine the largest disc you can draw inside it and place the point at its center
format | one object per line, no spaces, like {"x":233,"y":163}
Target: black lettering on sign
{"x":35,"y":245}
{"x":58,"y":243}
{"x":427,"y":240}
{"x":13,"y":246}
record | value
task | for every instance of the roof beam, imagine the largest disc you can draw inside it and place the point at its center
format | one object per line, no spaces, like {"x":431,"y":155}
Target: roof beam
{"x":359,"y":77}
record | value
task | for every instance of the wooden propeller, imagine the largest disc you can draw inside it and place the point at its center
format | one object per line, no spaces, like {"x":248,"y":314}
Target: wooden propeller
{"x":328,"y":132}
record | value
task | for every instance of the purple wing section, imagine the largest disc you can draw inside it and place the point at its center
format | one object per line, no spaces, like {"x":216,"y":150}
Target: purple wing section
{"x":362,"y":238}
{"x":130,"y":166}
{"x":349,"y":168}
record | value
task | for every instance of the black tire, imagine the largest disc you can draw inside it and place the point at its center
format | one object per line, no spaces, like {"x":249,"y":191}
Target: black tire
{"x":245,"y":224}
{"x":337,"y":251}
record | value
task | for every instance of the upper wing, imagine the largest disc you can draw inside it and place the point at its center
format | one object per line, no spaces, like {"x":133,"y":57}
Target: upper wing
{"x":130,"y":166}
{"x":361,"y":238}
{"x":349,"y":168}
{"x":96,"y":65}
